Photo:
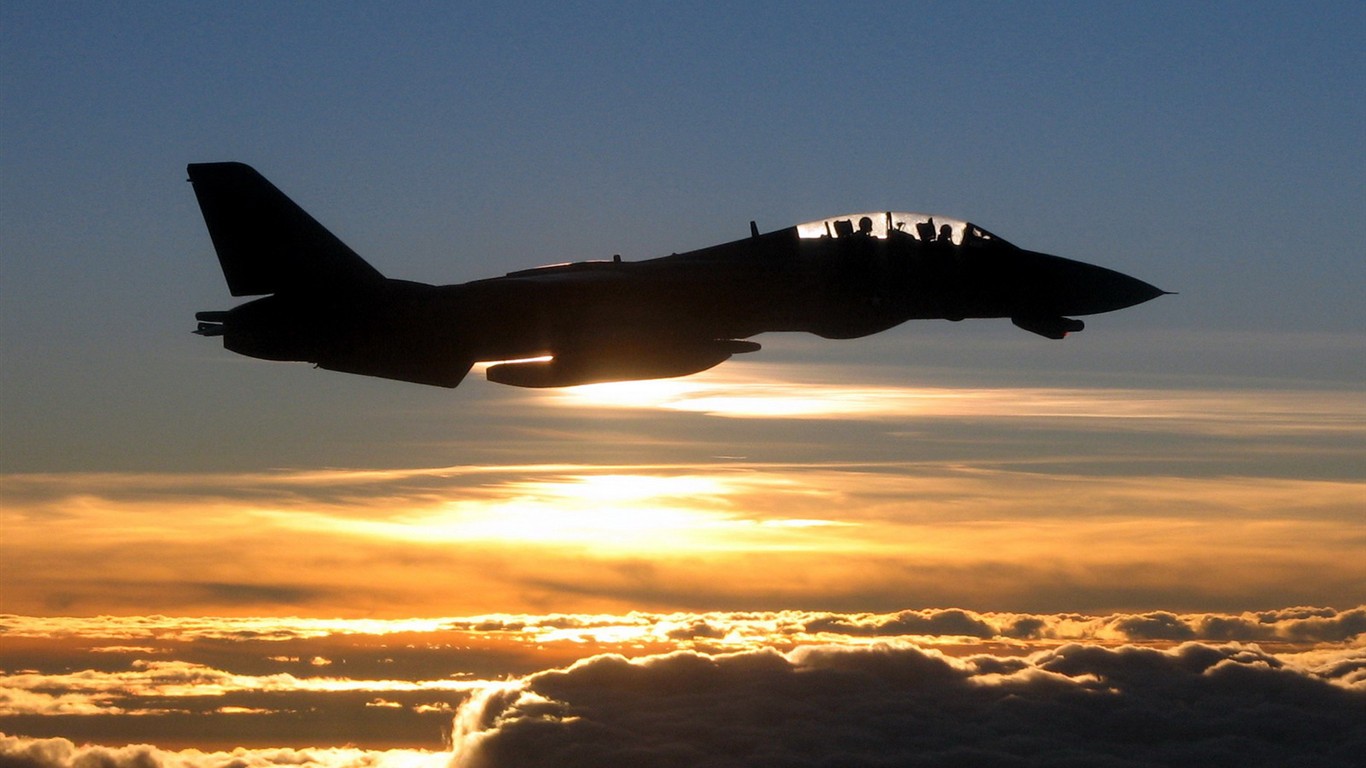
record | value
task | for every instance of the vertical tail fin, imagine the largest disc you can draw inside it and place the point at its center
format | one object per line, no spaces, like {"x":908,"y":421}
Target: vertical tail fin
{"x":265,"y":242}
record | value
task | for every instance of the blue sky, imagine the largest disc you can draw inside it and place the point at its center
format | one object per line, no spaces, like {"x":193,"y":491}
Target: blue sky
{"x":1213,"y":150}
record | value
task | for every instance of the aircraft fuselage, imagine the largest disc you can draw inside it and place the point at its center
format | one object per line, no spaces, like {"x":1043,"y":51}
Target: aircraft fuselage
{"x":612,"y":320}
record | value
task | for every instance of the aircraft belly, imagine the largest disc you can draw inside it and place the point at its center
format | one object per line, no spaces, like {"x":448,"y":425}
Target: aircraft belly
{"x":517,"y":319}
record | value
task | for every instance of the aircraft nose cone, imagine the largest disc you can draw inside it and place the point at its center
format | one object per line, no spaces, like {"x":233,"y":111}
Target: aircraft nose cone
{"x":1118,"y":290}
{"x":1076,"y":288}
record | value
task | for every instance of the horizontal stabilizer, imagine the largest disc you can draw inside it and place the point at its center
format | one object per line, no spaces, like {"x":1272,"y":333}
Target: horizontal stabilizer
{"x":265,"y":242}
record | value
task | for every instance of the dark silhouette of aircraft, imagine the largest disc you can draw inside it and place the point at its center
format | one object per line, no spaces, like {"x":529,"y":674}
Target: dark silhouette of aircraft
{"x":566,"y":324}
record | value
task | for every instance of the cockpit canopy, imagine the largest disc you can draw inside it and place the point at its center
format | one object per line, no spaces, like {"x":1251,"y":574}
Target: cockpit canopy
{"x":889,"y":224}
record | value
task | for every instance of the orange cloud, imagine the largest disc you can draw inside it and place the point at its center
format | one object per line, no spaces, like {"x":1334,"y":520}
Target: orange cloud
{"x":437,"y":541}
{"x":1120,"y":499}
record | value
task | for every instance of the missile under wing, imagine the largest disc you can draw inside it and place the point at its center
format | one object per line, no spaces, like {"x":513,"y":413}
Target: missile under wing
{"x":843,"y":277}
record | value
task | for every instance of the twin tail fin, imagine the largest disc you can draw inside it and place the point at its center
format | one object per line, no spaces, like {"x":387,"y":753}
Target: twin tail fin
{"x":265,"y":242}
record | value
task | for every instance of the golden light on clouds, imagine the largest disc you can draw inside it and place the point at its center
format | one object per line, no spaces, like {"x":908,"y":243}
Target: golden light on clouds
{"x":809,"y":393}
{"x":608,"y":512}
{"x":433,"y":541}
{"x":222,"y":682}
{"x":1020,"y":497}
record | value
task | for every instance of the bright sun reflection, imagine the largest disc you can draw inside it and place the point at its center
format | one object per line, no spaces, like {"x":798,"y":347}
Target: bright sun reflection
{"x":761,"y":398}
{"x":772,"y":394}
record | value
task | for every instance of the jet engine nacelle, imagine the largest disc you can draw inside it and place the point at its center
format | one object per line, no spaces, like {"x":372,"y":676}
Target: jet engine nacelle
{"x":589,"y":367}
{"x":1051,"y":327}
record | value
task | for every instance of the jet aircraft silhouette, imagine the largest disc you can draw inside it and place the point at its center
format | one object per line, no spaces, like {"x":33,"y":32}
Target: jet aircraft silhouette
{"x":567,"y":324}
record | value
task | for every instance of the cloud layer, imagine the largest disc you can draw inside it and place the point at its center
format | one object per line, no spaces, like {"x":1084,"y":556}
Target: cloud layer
{"x":737,"y":688}
{"x":726,"y":534}
{"x":890,"y":703}
{"x":902,"y":705}
{"x":1299,"y":625}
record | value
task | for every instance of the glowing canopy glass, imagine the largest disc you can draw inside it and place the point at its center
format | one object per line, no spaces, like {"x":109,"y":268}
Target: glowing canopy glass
{"x":884,"y":224}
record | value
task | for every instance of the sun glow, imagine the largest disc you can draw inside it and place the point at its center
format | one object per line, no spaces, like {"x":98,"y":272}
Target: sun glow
{"x":602,"y":511}
{"x":779,"y":392}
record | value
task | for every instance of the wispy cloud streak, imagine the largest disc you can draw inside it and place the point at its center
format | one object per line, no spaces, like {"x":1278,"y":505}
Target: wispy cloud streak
{"x":772,"y":393}
{"x":90,"y":692}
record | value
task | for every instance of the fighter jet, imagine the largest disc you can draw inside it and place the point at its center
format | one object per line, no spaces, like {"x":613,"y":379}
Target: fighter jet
{"x":596,"y":321}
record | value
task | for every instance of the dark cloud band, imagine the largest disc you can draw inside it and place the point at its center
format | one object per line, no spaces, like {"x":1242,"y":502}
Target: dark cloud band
{"x":900,"y":705}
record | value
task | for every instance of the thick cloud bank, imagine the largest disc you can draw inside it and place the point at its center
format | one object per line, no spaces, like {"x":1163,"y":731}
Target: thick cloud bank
{"x":852,"y":689}
{"x":902,"y":705}
{"x":1297,"y":625}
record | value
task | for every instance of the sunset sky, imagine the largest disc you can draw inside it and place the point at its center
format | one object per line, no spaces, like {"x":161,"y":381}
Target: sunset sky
{"x":1181,"y":481}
